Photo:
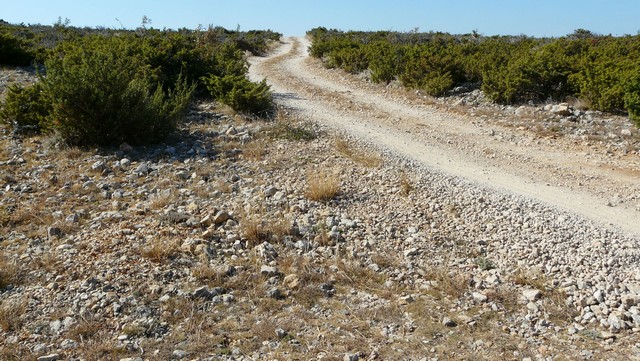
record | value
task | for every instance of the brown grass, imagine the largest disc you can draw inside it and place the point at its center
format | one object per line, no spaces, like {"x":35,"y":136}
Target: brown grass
{"x":11,"y":315}
{"x":85,"y":329}
{"x":322,"y":186}
{"x":161,"y":201}
{"x":260,"y":227}
{"x":205,"y":273}
{"x":287,"y":127}
{"x":10,"y":272}
{"x":101,"y":346}
{"x":360,"y":277}
{"x":555,"y":306}
{"x":224,"y":187}
{"x":31,"y":215}
{"x":505,"y":297}
{"x":579,"y":103}
{"x":160,"y":250}
{"x":255,"y":150}
{"x":451,"y":284}
{"x":406,"y":186}
{"x":533,"y":279}
{"x":14,"y":352}
{"x":254,"y":230}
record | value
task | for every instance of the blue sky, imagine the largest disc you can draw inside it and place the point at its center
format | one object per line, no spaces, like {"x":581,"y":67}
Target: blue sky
{"x":295,"y":17}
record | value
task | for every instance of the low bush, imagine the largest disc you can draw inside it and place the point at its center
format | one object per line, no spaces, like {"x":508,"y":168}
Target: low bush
{"x":384,"y":60}
{"x":26,"y":107}
{"x":241,"y":94}
{"x":102,"y":92}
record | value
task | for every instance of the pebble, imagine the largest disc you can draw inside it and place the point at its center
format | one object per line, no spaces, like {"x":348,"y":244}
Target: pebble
{"x":51,"y":357}
{"x":479,"y":297}
{"x":180,"y":354}
{"x":449,"y":322}
{"x":531,"y":294}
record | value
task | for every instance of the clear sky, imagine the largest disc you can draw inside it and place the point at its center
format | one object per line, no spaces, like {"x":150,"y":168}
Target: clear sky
{"x":295,"y":17}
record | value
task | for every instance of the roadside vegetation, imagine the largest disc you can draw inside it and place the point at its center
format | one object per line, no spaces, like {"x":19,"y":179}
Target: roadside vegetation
{"x":602,"y":72}
{"x":106,"y":86}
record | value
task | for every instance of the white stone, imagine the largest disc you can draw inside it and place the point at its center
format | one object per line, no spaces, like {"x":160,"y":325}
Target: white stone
{"x":532,"y":294}
{"x":479,"y":297}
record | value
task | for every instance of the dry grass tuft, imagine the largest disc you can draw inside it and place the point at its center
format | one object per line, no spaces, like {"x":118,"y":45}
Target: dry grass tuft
{"x":161,"y":250}
{"x":555,"y":306}
{"x":449,"y":284}
{"x":254,"y":230}
{"x":162,"y":200}
{"x":529,"y":278}
{"x":101,"y":346}
{"x":85,"y":329}
{"x":14,"y":352}
{"x":360,"y":277}
{"x":579,"y":103}
{"x":10,"y":272}
{"x":323,"y":186}
{"x":366,"y":159}
{"x":406,"y":187}
{"x":213,"y":276}
{"x":224,"y":187}
{"x":11,"y":315}
{"x":504,"y":296}
{"x":73,"y":153}
{"x":286,"y":128}
{"x":261,"y":227}
{"x":31,"y":215}
{"x":255,"y":150}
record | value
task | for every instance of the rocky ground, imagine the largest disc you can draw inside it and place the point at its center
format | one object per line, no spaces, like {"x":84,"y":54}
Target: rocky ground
{"x":282,"y":240}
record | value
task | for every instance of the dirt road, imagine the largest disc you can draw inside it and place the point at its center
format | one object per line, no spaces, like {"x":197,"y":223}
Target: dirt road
{"x":556,"y":172}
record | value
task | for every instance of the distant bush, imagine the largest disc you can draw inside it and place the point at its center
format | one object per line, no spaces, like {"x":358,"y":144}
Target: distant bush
{"x":601,"y":70}
{"x":254,"y":41}
{"x":534,"y":71}
{"x":632,"y":97}
{"x":384,"y":61}
{"x":102,"y":92}
{"x":430,"y":68}
{"x":14,"y":51}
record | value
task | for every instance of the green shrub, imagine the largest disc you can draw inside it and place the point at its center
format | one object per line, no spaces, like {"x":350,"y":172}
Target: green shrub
{"x":228,"y":83}
{"x":14,"y":51}
{"x":601,"y":76}
{"x":438,"y":84}
{"x":632,"y":97}
{"x":26,"y":107}
{"x":241,"y":94}
{"x":384,"y":59}
{"x":430,"y":69}
{"x":602,"y":70}
{"x":103,"y":93}
{"x":351,"y":60}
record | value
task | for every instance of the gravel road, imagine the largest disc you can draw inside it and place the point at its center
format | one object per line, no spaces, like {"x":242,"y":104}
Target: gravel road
{"x":555,"y":173}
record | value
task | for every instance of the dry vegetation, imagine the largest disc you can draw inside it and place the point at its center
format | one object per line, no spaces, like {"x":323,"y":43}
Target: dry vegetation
{"x":323,"y":185}
{"x":359,"y":156}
